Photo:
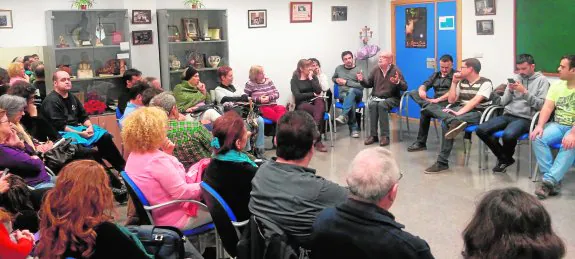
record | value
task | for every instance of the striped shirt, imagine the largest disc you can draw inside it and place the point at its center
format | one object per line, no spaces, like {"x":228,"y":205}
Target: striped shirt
{"x":192,"y":141}
{"x":466,"y":91}
{"x":255,"y":91}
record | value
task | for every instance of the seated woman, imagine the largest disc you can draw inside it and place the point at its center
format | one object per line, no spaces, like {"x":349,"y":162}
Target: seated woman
{"x":307,"y":93}
{"x":16,"y":72}
{"x":230,"y":172}
{"x":191,"y":95}
{"x":263,"y":91}
{"x":20,"y":158}
{"x":228,"y":96}
{"x":76,"y":218}
{"x":23,"y":203}
{"x":14,"y":245}
{"x":159,"y":175}
{"x":510,"y":223}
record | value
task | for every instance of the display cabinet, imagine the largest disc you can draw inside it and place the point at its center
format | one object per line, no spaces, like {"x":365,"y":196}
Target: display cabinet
{"x":93,"y":47}
{"x":196,"y":37}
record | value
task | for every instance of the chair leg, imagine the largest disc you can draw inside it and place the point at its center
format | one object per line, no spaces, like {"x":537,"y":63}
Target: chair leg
{"x":530,"y":161}
{"x":479,"y":148}
{"x":518,"y":149}
{"x":535,"y":173}
{"x":407,"y":116}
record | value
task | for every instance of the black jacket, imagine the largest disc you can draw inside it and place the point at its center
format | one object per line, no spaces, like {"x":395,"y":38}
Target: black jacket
{"x":356,"y":229}
{"x":303,"y":90}
{"x":439,"y":84}
{"x":233,"y":181}
{"x":56,"y":111}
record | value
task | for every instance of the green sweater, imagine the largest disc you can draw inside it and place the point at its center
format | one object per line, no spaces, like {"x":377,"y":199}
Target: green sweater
{"x":350,"y":75}
{"x":188,"y":95}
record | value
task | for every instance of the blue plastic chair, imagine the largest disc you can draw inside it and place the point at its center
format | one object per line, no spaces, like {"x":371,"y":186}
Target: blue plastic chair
{"x":338,"y":104}
{"x":140,"y":201}
{"x":227,"y":226}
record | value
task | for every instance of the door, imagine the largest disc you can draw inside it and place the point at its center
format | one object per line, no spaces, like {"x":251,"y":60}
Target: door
{"x":419,"y":41}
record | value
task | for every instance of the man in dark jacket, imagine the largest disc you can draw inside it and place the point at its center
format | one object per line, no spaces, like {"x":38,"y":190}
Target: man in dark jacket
{"x":363,"y":227}
{"x":387,"y":83}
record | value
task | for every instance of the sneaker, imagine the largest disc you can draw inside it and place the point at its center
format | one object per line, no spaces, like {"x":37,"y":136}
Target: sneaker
{"x":436,"y":168}
{"x":320,"y":147}
{"x":502,"y":165}
{"x":416,"y":147}
{"x":546,"y":189}
{"x":455,"y":128}
{"x":355,"y":134}
{"x":341,"y":119}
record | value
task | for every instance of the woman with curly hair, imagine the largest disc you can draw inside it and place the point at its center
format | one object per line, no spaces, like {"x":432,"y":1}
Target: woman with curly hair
{"x":76,"y":217}
{"x":160,"y":175}
{"x":510,"y":223}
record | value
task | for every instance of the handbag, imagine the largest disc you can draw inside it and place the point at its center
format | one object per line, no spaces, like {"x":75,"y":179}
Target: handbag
{"x":163,"y":242}
{"x":58,"y":156}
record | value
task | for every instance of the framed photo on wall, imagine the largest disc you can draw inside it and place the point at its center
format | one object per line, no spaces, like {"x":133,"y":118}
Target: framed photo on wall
{"x":339,"y":13}
{"x":485,"y":7}
{"x":257,"y":18}
{"x":142,"y":37}
{"x":6,"y":19}
{"x":485,"y":27}
{"x":191,"y":28}
{"x":141,"y":16}
{"x":300,"y":12}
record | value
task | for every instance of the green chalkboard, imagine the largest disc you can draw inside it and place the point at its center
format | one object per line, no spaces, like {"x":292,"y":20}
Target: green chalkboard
{"x":546,"y":30}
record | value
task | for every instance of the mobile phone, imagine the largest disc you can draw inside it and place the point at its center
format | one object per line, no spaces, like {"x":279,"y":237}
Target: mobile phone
{"x":511,"y":80}
{"x":5,"y":172}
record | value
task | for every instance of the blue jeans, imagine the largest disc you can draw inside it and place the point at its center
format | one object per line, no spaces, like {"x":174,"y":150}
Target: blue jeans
{"x":513,"y":128}
{"x":261,"y":139}
{"x":553,"y":171}
{"x":350,"y":101}
{"x":49,"y":184}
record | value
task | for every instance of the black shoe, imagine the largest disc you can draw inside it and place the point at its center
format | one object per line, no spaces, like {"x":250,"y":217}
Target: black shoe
{"x":546,"y":189}
{"x":502,"y":165}
{"x":455,"y":128}
{"x":416,"y":147}
{"x":436,"y":168}
{"x":120,"y":194}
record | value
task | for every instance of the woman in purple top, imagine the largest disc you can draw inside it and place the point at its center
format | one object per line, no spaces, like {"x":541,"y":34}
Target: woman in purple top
{"x":263,"y":91}
{"x":20,"y":158}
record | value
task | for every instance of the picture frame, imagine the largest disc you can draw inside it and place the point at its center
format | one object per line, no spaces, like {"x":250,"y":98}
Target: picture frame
{"x":191,"y":28}
{"x":144,"y":37}
{"x":485,"y":7}
{"x":141,"y":16}
{"x":257,"y":18}
{"x":301,"y":12}
{"x":339,"y":13}
{"x":6,"y":19}
{"x":173,"y":33}
{"x":485,"y":27}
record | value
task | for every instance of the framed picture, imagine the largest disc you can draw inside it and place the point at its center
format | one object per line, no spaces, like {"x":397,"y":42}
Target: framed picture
{"x":339,"y":13}
{"x":257,"y":18}
{"x":6,"y":19}
{"x":191,"y":28}
{"x":142,"y":37}
{"x":485,"y":7}
{"x":173,"y":33}
{"x":300,"y":12}
{"x":141,"y":16}
{"x":485,"y":27}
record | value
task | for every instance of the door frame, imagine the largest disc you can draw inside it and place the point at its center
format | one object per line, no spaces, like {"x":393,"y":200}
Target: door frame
{"x":458,"y":25}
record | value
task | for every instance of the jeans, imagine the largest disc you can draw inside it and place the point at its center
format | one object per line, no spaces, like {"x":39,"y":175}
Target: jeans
{"x":49,"y":184}
{"x":472,"y":117}
{"x":379,"y":111}
{"x":553,"y":170}
{"x":350,"y":101}
{"x":425,"y":118}
{"x":513,"y":127}
{"x":260,"y":138}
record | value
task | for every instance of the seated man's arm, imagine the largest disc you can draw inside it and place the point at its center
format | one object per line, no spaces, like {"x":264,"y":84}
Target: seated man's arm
{"x":546,"y":111}
{"x":471,"y":104}
{"x":423,"y":88}
{"x":443,"y":98}
{"x":453,"y":93}
{"x":331,"y":193}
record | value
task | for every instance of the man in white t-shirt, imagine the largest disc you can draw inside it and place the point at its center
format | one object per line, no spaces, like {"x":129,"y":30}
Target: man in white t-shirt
{"x":468,"y":95}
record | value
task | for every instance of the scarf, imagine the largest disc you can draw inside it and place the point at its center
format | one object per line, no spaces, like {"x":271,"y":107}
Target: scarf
{"x":235,"y":156}
{"x":188,"y":95}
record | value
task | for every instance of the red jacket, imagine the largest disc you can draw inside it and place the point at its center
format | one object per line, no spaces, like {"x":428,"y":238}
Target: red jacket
{"x":9,"y":249}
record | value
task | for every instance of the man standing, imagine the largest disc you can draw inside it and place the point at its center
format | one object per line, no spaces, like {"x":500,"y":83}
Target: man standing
{"x":523,"y":97}
{"x":472,"y":93}
{"x":387,"y":83}
{"x":66,"y":113}
{"x":286,"y":192}
{"x":440,"y":82}
{"x":130,"y":78}
{"x":350,"y":90}
{"x":362,"y":226}
{"x":561,"y":99}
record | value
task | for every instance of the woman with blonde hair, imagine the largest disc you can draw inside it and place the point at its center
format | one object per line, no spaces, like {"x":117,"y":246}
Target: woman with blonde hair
{"x":263,"y":91}
{"x":160,"y":175}
{"x":16,"y":72}
{"x":76,"y":217}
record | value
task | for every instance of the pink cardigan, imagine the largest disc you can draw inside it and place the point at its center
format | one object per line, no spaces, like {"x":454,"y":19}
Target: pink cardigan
{"x":161,"y":177}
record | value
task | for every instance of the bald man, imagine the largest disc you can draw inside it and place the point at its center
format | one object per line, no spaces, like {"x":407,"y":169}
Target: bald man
{"x":387,"y":82}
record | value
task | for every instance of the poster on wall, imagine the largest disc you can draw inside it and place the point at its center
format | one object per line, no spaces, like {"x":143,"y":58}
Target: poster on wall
{"x":485,"y":7}
{"x":5,"y":19}
{"x":300,"y":12}
{"x":416,"y":27}
{"x":257,"y":18}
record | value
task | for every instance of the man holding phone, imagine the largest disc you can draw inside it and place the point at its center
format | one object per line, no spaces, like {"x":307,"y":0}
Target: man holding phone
{"x":523,"y":97}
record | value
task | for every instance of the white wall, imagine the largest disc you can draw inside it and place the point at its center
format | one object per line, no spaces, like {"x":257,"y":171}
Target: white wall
{"x":277,"y":47}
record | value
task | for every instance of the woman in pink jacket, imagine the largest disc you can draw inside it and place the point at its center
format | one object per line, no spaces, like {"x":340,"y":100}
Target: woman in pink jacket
{"x":159,"y":175}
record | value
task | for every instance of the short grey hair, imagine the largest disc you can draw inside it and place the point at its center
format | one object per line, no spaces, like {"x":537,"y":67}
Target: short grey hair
{"x":165,"y":100}
{"x":372,"y":174}
{"x":12,"y":104}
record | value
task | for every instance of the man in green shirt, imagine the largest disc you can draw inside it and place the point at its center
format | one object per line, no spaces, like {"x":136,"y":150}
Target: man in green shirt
{"x":350,"y":90}
{"x":561,"y":99}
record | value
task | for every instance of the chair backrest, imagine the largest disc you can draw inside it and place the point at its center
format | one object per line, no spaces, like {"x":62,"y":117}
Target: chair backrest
{"x":335,"y":91}
{"x":118,"y":113}
{"x":138,"y":199}
{"x":222,"y":216}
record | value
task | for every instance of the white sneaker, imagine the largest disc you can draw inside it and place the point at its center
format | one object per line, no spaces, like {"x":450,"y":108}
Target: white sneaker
{"x":355,"y":134}
{"x":341,"y":119}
